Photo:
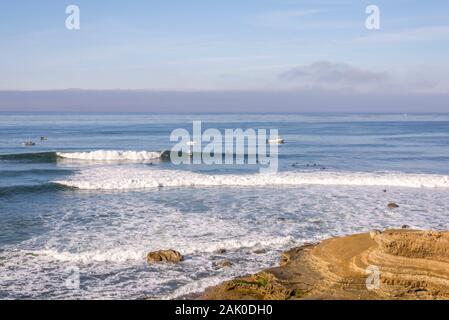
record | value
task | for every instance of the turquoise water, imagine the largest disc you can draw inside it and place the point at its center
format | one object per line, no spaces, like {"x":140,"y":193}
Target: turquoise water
{"x":58,"y":213}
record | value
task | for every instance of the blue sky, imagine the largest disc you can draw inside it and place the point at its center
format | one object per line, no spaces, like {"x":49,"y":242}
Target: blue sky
{"x":226,"y":45}
{"x":213,"y":45}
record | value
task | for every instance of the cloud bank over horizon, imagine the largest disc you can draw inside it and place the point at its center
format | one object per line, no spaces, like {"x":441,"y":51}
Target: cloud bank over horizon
{"x":322,"y":86}
{"x":269,"y":101}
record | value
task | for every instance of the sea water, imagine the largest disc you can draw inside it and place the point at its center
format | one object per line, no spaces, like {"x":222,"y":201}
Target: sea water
{"x":96,"y":197}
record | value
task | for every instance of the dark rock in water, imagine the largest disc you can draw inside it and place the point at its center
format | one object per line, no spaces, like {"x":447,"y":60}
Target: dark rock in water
{"x":164,"y":256}
{"x":405,"y":226}
{"x":220,"y":251}
{"x":260,"y":251}
{"x":165,"y":155}
{"x":385,"y":190}
{"x":393,"y":205}
{"x":223,"y":264}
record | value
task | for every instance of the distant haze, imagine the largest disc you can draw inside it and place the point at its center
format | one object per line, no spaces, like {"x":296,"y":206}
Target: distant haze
{"x":218,"y":101}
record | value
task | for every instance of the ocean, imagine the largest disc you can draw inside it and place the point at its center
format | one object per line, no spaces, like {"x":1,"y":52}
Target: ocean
{"x":76,"y":205}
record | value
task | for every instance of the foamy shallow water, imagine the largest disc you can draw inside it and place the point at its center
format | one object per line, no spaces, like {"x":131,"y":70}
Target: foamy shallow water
{"x":128,"y":178}
{"x":109,"y":238}
{"x":95,"y":196}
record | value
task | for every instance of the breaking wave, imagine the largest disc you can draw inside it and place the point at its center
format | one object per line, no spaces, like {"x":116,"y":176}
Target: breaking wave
{"x":110,"y":155}
{"x":99,"y":155}
{"x":129,"y":253}
{"x":113,"y":178}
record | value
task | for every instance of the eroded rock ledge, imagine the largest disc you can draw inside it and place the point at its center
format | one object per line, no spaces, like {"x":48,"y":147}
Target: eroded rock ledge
{"x":412,"y":264}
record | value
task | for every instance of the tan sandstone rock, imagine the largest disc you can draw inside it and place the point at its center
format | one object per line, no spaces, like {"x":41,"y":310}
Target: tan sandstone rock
{"x":412,"y":265}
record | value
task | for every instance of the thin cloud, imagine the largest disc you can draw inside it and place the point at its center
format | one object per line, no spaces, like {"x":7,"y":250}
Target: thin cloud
{"x":299,"y":20}
{"x":328,"y":75}
{"x":345,"y":78}
{"x":408,"y":35}
{"x":282,"y":19}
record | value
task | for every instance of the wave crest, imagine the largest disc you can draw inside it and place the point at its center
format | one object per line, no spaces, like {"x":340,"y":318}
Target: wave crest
{"x":113,"y":178}
{"x":130,"y":253}
{"x":110,"y":155}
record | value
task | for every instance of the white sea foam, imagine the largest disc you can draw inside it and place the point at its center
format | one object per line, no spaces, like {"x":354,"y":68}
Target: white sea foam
{"x":114,"y":178}
{"x":110,"y":155}
{"x":130,"y":253}
{"x":108,"y":240}
{"x":111,"y":255}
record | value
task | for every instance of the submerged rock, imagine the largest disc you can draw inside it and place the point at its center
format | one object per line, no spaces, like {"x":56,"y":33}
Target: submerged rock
{"x":164,"y":256}
{"x":393,"y":205}
{"x":223,"y":264}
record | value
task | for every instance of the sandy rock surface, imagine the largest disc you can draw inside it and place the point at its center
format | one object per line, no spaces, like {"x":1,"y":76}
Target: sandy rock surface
{"x":394,"y":264}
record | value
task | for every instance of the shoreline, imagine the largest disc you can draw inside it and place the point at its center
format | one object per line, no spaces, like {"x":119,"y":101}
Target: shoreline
{"x":396,"y":264}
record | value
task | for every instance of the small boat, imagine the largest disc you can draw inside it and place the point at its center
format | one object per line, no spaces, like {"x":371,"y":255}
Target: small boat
{"x":29,"y":143}
{"x":44,"y":138}
{"x":277,"y":140}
